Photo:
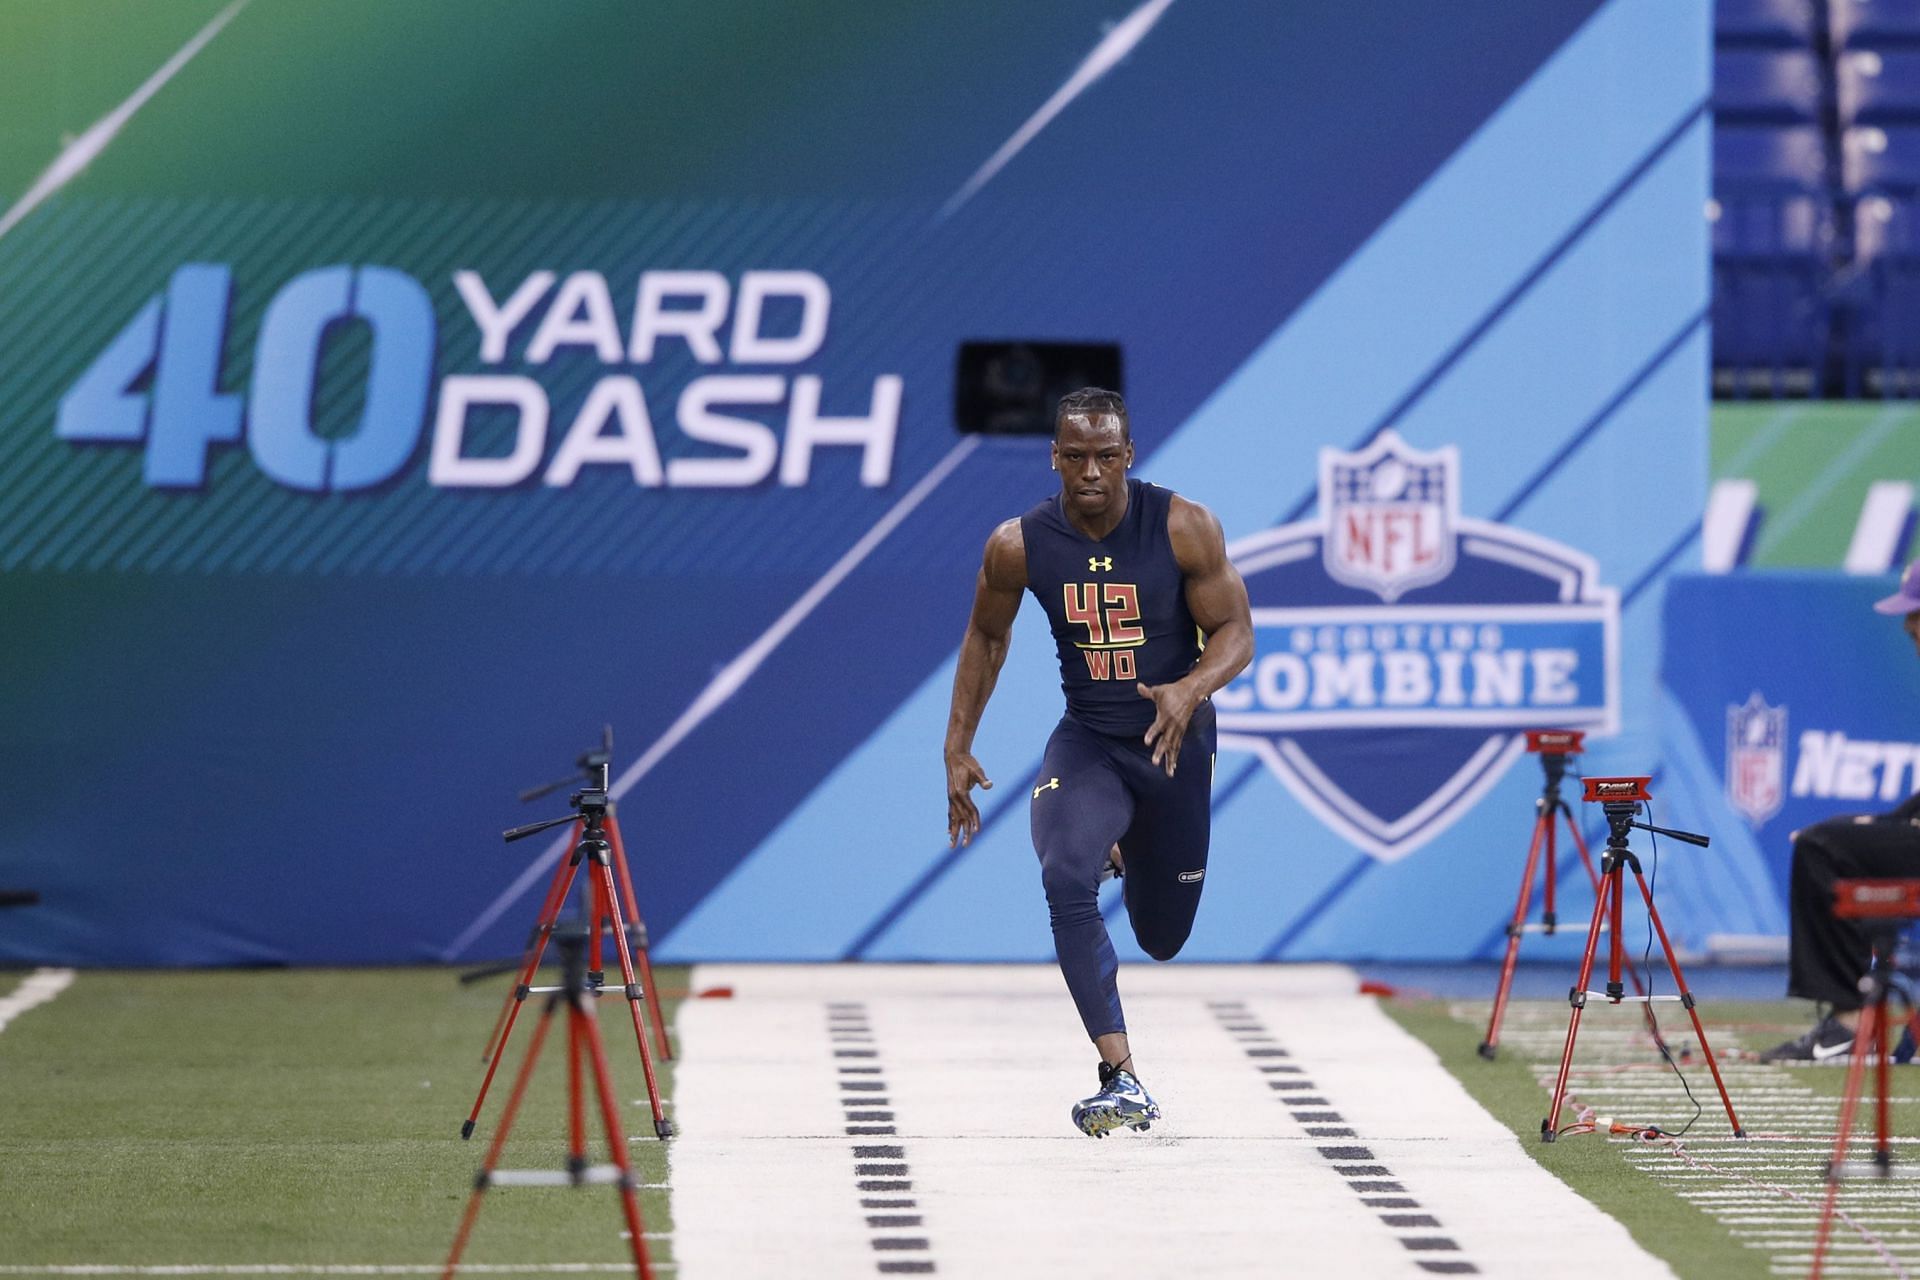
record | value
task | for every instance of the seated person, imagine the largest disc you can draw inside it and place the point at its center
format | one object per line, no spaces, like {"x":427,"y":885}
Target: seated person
{"x":1828,"y":956}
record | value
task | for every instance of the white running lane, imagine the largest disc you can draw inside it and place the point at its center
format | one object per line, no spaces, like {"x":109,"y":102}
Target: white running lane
{"x":34,"y":990}
{"x":973,"y":1068}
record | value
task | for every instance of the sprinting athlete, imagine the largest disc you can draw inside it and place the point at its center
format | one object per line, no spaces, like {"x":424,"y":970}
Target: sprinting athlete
{"x":1130,"y":575}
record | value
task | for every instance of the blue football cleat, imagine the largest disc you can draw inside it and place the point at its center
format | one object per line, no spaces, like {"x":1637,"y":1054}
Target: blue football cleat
{"x":1121,"y":1103}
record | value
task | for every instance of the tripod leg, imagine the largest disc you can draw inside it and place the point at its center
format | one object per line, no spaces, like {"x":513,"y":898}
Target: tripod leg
{"x":1550,"y":1127}
{"x":1849,"y":1105}
{"x":640,"y":941}
{"x":1549,"y":911}
{"x":1883,"y":1120}
{"x":586,"y":1028}
{"x":536,"y":945}
{"x":598,"y":911}
{"x":492,"y":1160}
{"x":520,"y":993}
{"x":1586,"y":860}
{"x":1490,"y":1046}
{"x":576,"y":1106}
{"x":662,"y":1127}
{"x":1686,"y":999}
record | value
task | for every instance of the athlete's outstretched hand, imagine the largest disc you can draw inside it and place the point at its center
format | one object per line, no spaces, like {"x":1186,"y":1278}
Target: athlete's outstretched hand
{"x":963,"y":775}
{"x":1172,"y":709}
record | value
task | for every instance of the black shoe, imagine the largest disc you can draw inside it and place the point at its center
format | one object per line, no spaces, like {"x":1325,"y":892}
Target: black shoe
{"x":1829,"y":1041}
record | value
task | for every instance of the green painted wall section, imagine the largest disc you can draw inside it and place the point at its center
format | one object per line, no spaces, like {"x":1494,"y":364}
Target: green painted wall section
{"x":1814,"y":462}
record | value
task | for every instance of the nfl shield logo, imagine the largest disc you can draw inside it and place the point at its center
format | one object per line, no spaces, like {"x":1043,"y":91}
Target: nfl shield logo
{"x":1756,"y":758}
{"x":1390,"y":512}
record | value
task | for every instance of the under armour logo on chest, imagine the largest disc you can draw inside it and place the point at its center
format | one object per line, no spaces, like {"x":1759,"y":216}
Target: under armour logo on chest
{"x":1099,"y":562}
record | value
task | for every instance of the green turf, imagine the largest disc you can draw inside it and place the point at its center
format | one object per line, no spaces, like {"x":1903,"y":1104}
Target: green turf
{"x":1691,"y":1241}
{"x":293,"y":1117}
{"x":1812,"y":463}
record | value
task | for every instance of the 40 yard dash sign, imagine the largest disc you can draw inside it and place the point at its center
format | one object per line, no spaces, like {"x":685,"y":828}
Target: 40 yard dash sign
{"x":1400,"y":649}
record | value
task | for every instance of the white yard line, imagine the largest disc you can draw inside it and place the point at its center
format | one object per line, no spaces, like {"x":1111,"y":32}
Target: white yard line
{"x":324,"y":1269}
{"x":34,"y":990}
{"x":981,"y":1174}
{"x":1776,"y":1178}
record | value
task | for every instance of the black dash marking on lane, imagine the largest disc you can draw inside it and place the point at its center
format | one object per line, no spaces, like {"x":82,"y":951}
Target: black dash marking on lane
{"x":881,"y":1167}
{"x":1357,"y":1164}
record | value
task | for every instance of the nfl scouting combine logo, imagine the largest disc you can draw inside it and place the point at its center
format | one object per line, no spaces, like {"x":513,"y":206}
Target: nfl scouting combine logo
{"x":1400,"y":648}
{"x":1756,"y":759}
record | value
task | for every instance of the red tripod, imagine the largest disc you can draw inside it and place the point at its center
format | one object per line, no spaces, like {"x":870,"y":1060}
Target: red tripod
{"x":589,"y":765}
{"x":1553,"y":748}
{"x":583,"y":1041}
{"x":636,"y":930}
{"x":596,"y":841}
{"x":1621,"y":799}
{"x":1884,"y":907}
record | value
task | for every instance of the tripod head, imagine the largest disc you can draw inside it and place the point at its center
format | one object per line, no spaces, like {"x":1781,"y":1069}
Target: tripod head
{"x":591,"y":803}
{"x":1554,"y":746}
{"x":589,"y":764}
{"x":1620,"y":799}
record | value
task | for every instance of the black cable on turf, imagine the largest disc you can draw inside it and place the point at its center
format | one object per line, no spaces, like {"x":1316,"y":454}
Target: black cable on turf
{"x":1646,"y":966}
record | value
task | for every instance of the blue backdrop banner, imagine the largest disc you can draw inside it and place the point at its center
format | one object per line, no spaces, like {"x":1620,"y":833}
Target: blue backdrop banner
{"x":366,"y":448}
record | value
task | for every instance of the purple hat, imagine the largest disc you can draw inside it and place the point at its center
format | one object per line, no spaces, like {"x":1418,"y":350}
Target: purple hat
{"x":1907,"y":599}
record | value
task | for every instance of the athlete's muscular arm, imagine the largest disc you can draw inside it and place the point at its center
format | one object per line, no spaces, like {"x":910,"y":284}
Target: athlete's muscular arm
{"x":1217,"y":599}
{"x":996,"y":599}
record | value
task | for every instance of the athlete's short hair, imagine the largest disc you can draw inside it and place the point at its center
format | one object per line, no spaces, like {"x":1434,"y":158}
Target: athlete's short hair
{"x":1092,"y":402}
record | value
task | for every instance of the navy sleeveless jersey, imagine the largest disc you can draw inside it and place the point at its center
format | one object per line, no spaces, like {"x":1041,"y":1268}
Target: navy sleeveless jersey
{"x":1118,"y":608}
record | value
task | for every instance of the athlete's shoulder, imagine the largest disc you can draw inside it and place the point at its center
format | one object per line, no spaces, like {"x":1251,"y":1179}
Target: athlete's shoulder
{"x":1005,"y":562}
{"x":1198,"y":542}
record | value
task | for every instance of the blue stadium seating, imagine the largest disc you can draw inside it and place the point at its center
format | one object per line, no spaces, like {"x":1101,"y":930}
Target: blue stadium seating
{"x":1885,"y":160}
{"x":1780,"y":159}
{"x":1775,"y":22}
{"x":1879,"y":87}
{"x":1883,"y":348}
{"x":1766,"y":86}
{"x":1869,"y":24}
{"x":1773,"y":238}
{"x":1816,"y":183}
